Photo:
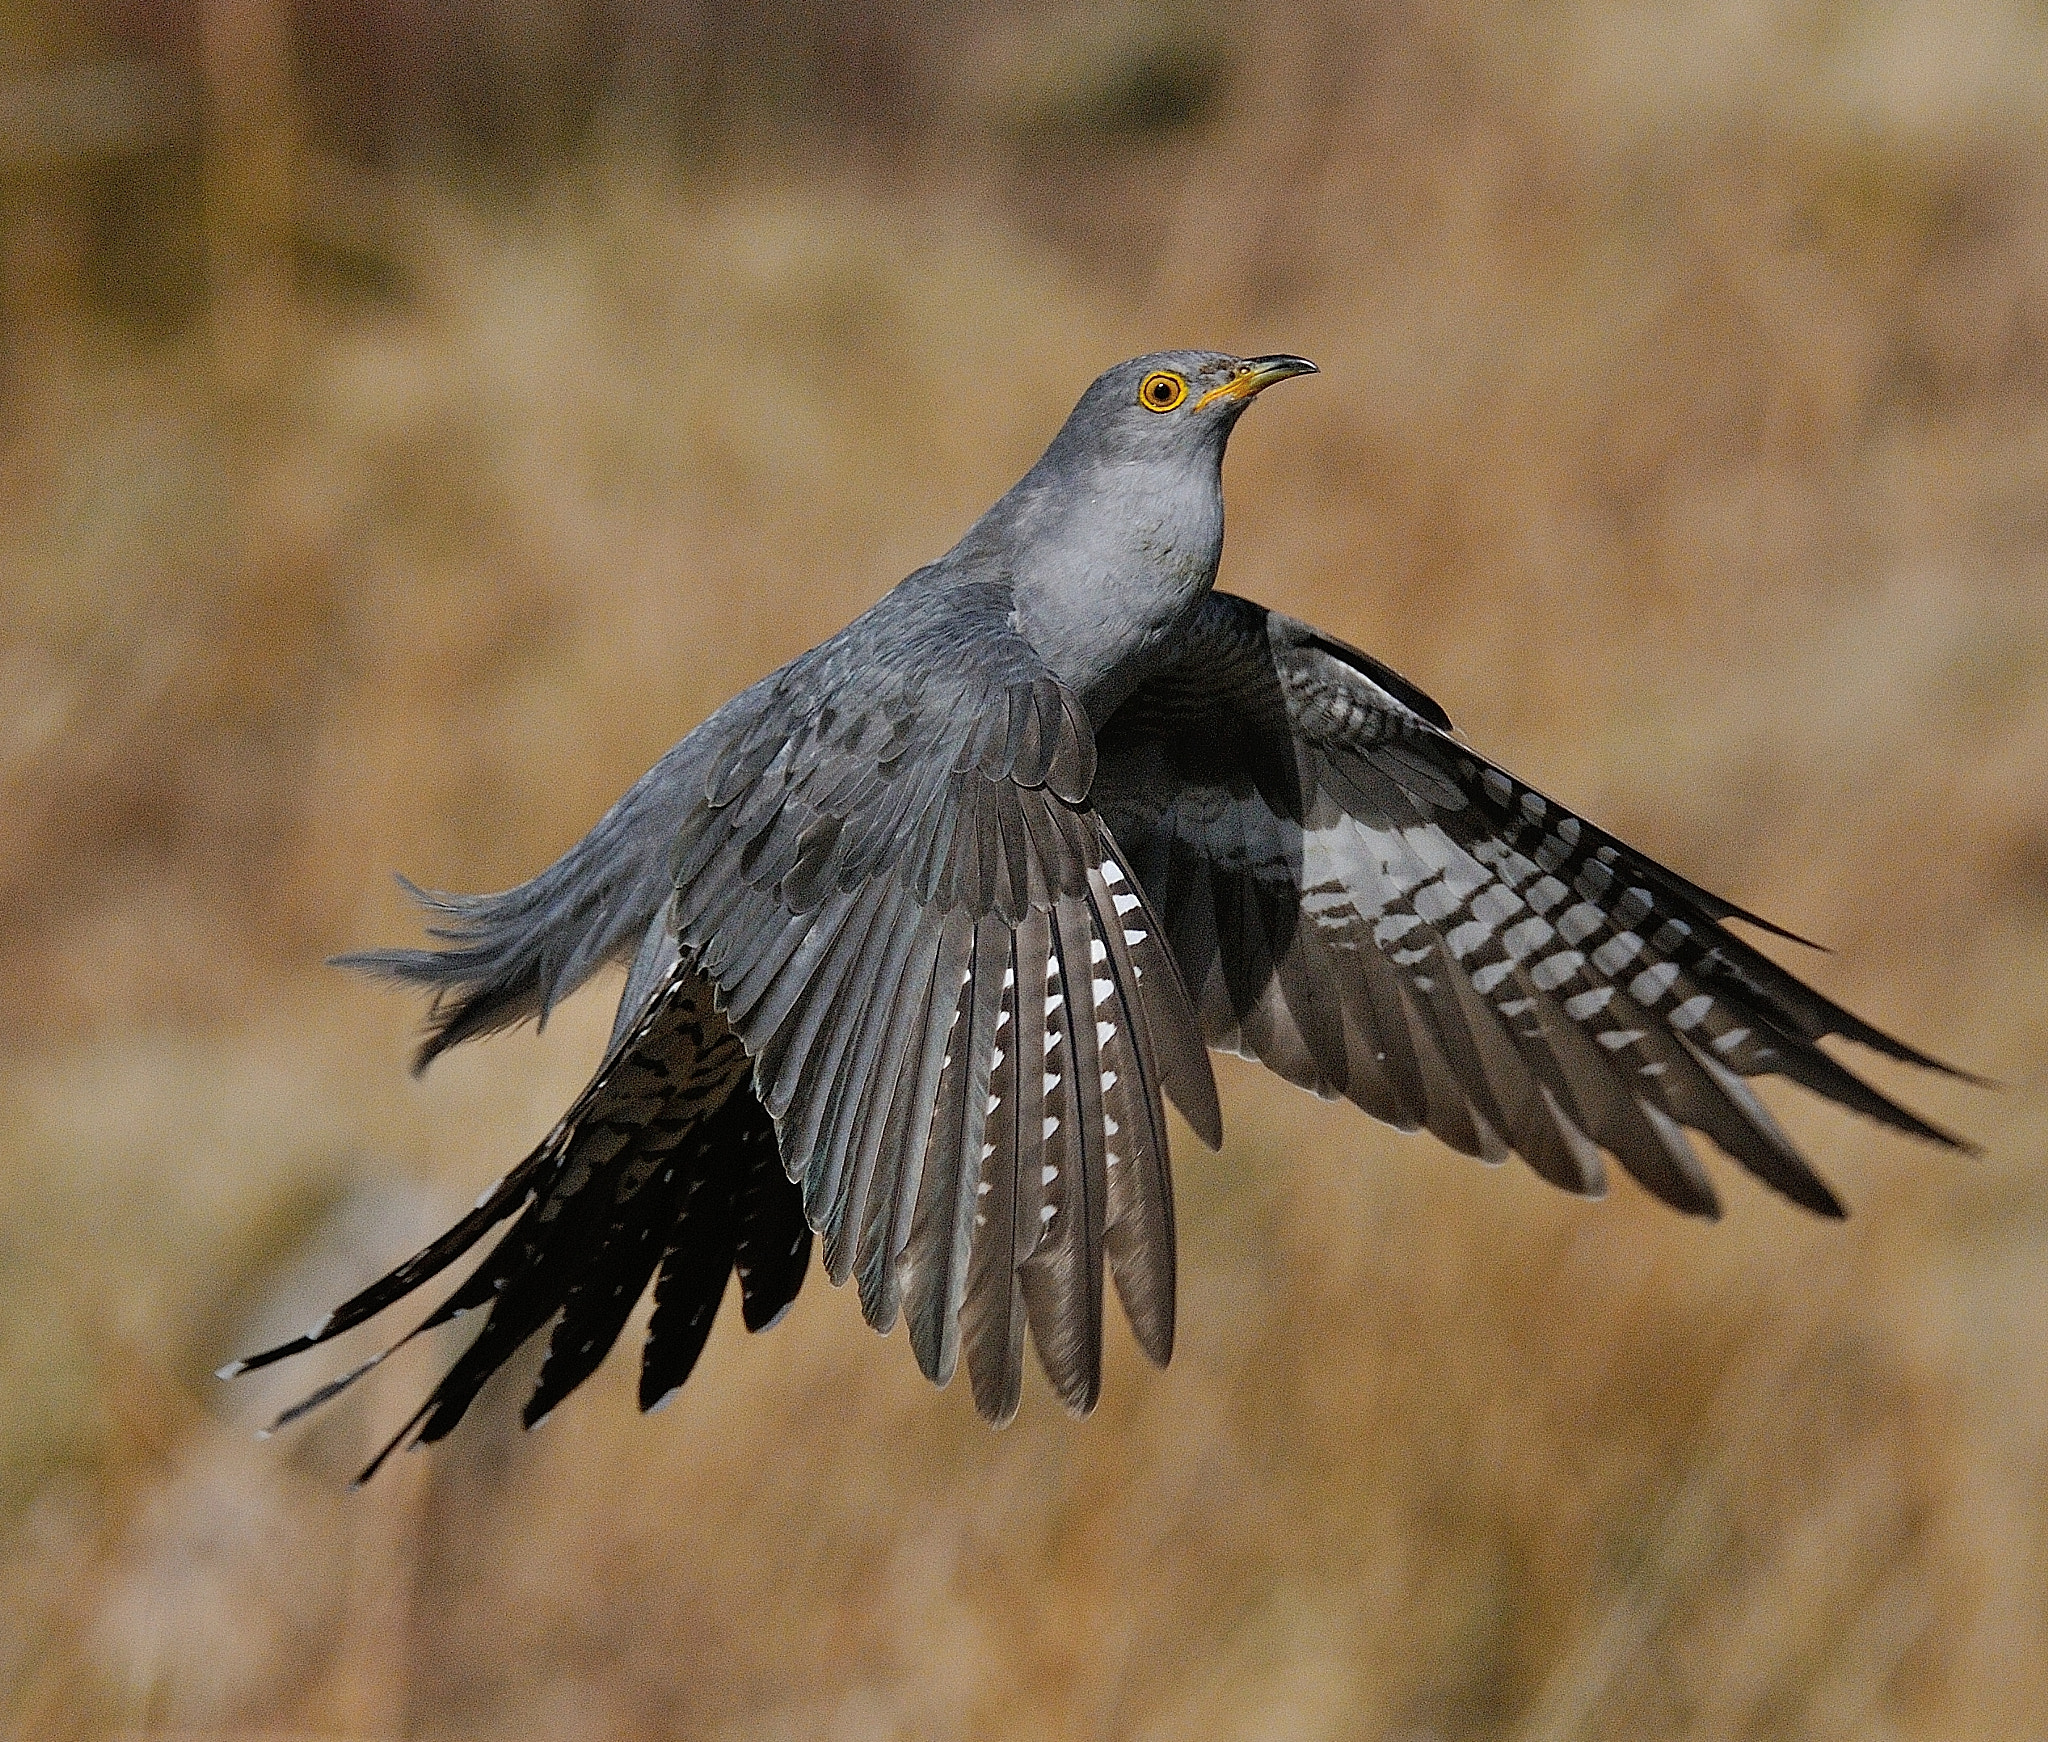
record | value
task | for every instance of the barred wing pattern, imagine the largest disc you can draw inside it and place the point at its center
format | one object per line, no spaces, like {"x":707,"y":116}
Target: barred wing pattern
{"x":1368,"y":907}
{"x":962,"y":1018}
{"x":921,"y":957}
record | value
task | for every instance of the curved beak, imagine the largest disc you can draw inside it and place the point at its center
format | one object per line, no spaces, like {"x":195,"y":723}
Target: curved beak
{"x":1255,"y":375}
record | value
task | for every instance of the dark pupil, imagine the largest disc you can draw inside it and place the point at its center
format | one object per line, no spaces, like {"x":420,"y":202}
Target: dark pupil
{"x":1162,"y":391}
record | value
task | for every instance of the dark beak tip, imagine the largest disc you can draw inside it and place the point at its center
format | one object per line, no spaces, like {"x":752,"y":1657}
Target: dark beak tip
{"x":1281,"y":367}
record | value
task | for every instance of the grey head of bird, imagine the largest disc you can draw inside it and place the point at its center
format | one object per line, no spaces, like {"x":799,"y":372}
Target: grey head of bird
{"x":1110,"y":541}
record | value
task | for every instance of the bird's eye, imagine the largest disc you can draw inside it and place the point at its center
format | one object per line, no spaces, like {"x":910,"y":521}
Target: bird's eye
{"x":1161,"y":390}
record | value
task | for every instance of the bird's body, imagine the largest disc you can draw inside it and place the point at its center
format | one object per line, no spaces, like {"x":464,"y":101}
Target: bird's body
{"x":925,"y":928}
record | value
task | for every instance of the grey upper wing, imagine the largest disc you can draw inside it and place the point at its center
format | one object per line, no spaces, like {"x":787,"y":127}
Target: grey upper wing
{"x":1364,"y":904}
{"x":962,"y":1019}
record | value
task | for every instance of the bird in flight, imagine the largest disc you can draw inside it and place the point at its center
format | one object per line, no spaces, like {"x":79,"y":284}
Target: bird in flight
{"x":925,"y":929}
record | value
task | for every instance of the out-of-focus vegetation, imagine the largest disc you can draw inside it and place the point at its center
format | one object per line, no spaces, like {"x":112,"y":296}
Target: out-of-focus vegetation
{"x":414,"y":417}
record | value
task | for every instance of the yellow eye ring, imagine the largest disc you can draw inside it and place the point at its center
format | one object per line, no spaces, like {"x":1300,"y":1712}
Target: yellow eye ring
{"x":1161,"y":390}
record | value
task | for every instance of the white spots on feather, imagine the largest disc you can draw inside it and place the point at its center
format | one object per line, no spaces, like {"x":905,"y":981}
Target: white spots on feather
{"x":1046,"y":1212}
{"x":1105,"y":1032}
{"x":1692,"y":1012}
{"x":1653,"y":982}
{"x":1498,"y":787}
{"x":1112,"y":872}
{"x":994,"y":1101}
{"x":483,"y":1197}
{"x":1421,"y":953}
{"x":1515,"y":1006}
{"x":319,"y":1326}
{"x":1053,"y":1000}
{"x":1110,"y":1126}
{"x":1614,"y":1039}
{"x":1670,"y":935}
{"x":1435,"y":901}
{"x":1423,"y":983}
{"x":1580,"y":922}
{"x":1634,"y":907}
{"x":1108,"y":1081}
{"x":1394,"y":927}
{"x":980,"y":1221}
{"x":1052,"y":1082}
{"x":1495,"y":903}
{"x":986,"y":1186}
{"x":1052,"y":1123}
{"x":1002,"y":1017}
{"x":995,"y":1061}
{"x":1111,"y":1158}
{"x":1464,"y":876}
{"x":1594,"y":880}
{"x":230,"y":1370}
{"x":1526,"y":935}
{"x":1653,"y":1070}
{"x":1009,"y":978}
{"x":1584,"y":1004}
{"x":1545,"y":893}
{"x":1133,"y":939}
{"x":1053,"y":1037}
{"x":1512,"y":868}
{"x":660,"y":1403}
{"x":1464,"y":939}
{"x":1731,"y":1040}
{"x":1617,"y":952}
{"x":1102,"y":989}
{"x":1330,"y":905}
{"x":1485,"y":979}
{"x":1124,"y":903}
{"x":1553,"y":971}
{"x":1567,"y":830}
{"x":1534,"y":807}
{"x":1098,"y":952}
{"x":1046,"y":1175}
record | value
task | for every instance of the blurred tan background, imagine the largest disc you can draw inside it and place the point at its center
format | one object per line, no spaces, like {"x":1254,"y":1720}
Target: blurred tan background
{"x":414,"y":416}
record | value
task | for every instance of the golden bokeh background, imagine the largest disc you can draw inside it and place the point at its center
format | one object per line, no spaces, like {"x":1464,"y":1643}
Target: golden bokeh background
{"x":413,"y":417}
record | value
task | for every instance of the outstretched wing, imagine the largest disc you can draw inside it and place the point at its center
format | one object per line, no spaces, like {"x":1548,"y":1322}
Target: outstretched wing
{"x":961,"y":1016}
{"x":1367,"y":906}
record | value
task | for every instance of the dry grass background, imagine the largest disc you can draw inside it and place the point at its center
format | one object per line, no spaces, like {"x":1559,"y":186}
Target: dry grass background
{"x":384,"y":491}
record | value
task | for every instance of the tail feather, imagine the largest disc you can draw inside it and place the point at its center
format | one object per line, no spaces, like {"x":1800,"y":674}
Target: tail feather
{"x":512,"y":957}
